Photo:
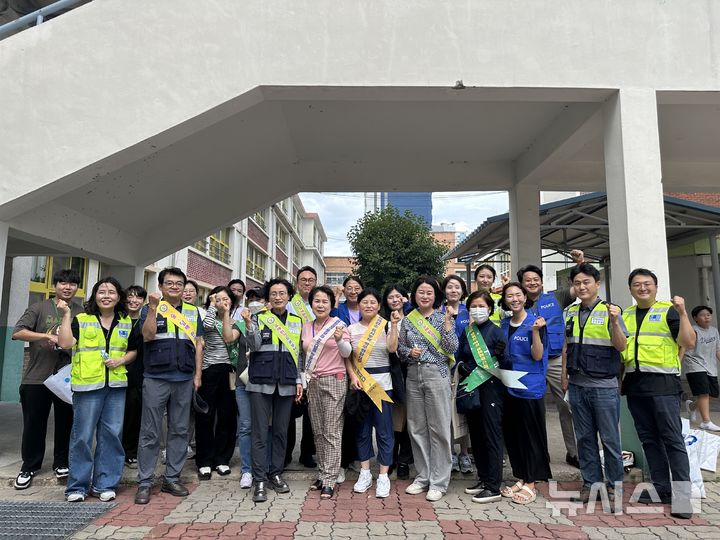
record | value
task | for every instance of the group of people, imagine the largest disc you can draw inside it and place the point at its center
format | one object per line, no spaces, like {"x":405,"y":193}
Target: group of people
{"x":389,"y":362}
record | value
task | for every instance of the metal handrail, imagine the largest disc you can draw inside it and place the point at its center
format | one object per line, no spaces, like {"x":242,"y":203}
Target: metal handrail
{"x":37,"y":16}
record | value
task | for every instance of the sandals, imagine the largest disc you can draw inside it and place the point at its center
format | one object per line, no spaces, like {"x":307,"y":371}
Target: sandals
{"x":524,"y":495}
{"x":510,"y":491}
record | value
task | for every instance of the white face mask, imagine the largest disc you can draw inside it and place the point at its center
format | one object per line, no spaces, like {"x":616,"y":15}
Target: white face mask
{"x":255,"y":307}
{"x":479,"y":314}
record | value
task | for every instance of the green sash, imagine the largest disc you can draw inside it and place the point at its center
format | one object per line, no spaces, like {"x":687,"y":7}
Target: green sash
{"x":429,"y":332}
{"x":301,"y":309}
{"x":487,"y":365}
{"x":280,"y":330}
{"x":233,"y":348}
{"x":484,"y":360}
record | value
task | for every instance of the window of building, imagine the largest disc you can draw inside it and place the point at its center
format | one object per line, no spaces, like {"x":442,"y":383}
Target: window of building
{"x":296,"y":253}
{"x":281,"y":237}
{"x":259,"y":219}
{"x":297,"y":221}
{"x":42,"y":269}
{"x":285,"y":207}
{"x":335,"y":278}
{"x":255,"y":263}
{"x":280,"y":272}
{"x":216,"y":245}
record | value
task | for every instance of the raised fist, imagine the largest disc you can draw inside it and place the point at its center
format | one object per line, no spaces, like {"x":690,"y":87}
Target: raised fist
{"x":614,"y":312}
{"x":154,"y":300}
{"x":396,"y":316}
{"x":62,"y":307}
{"x":338,"y":332}
{"x":678,"y":303}
{"x":577,"y":256}
{"x":450,"y":312}
{"x":539,"y":323}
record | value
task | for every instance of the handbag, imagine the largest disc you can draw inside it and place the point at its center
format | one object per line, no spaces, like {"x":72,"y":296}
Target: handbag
{"x":465,"y":401}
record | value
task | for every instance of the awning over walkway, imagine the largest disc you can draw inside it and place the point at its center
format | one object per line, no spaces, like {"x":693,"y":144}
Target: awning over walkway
{"x":582,"y":223}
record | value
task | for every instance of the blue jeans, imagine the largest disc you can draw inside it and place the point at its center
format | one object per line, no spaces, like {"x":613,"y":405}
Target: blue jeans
{"x":597,"y":410}
{"x":244,"y":427}
{"x":98,"y":414}
{"x":384,"y":434}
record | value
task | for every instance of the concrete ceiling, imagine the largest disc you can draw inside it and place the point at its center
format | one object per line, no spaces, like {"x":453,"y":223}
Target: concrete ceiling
{"x":155,"y":197}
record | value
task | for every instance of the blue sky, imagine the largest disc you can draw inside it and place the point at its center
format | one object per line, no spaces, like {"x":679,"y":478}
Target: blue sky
{"x":339,"y":211}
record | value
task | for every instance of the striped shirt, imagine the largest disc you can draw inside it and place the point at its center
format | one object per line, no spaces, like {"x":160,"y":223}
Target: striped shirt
{"x":378,"y":364}
{"x":215,"y":351}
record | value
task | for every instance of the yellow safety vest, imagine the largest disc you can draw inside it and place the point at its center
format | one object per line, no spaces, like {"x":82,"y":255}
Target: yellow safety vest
{"x":496,"y":318}
{"x":88,"y":370}
{"x":650,"y":348}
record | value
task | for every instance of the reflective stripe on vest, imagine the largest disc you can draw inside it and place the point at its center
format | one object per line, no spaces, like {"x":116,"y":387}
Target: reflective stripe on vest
{"x":650,"y":348}
{"x":88,"y":370}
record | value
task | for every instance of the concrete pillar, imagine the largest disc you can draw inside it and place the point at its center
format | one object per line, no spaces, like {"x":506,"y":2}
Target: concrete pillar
{"x":633,"y":178}
{"x":524,"y":226}
{"x":715,"y":269}
{"x":14,"y":303}
{"x":126,"y":275}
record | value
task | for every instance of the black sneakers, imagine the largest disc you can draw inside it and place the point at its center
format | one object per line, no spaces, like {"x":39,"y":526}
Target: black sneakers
{"x":23,"y":480}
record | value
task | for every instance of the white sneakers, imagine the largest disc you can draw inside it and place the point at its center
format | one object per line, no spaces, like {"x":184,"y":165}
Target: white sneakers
{"x":691,"y":411}
{"x":382,"y":486}
{"x":465,"y":464}
{"x":75,"y":497}
{"x":710,"y":426}
{"x":246,"y":480}
{"x":455,"y":464}
{"x":340,"y":476}
{"x":415,"y":489}
{"x":364,"y":481}
{"x":434,"y":495}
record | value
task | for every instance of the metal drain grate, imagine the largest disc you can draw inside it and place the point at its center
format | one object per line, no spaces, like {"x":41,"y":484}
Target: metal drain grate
{"x":40,"y":520}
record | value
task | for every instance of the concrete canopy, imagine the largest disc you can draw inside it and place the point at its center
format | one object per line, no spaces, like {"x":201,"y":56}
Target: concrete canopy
{"x":126,"y":153}
{"x":582,"y":223}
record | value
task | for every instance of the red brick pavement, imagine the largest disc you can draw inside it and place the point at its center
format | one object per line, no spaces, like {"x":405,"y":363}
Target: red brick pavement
{"x":128,"y":514}
{"x":347,"y":506}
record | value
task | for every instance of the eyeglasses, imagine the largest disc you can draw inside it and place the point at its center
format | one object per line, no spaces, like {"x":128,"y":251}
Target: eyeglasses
{"x":276,"y":294}
{"x":645,"y":284}
{"x":174,"y":284}
{"x":307,"y":280}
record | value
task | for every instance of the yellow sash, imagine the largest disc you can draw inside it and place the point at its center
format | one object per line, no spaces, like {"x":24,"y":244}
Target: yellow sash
{"x":282,"y":333}
{"x":429,"y":332}
{"x":176,"y":317}
{"x":360,"y":357}
{"x":301,"y":309}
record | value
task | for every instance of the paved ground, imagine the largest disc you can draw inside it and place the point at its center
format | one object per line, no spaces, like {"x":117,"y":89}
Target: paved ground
{"x":220,"y":509}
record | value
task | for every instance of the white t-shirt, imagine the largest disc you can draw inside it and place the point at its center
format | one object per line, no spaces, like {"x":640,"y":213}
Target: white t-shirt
{"x":703,"y":356}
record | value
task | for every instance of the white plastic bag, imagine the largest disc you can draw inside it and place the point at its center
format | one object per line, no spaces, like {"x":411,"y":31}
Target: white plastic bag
{"x":708,"y":448}
{"x":693,"y":451}
{"x":59,"y":384}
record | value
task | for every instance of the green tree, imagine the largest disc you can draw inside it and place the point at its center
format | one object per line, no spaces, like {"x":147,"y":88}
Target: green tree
{"x":393,"y":248}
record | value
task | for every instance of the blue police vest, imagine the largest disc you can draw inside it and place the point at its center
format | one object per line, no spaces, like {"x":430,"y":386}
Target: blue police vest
{"x":519,"y":345}
{"x":548,"y":307}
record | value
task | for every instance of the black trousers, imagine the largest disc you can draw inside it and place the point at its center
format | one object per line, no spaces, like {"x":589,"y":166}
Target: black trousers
{"x":131,"y":421}
{"x":36,"y":401}
{"x":269,"y":409}
{"x":658,"y":425}
{"x":307,"y":442}
{"x":349,"y":441}
{"x":216,"y":431}
{"x":402,"y":451}
{"x":486,"y":434}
